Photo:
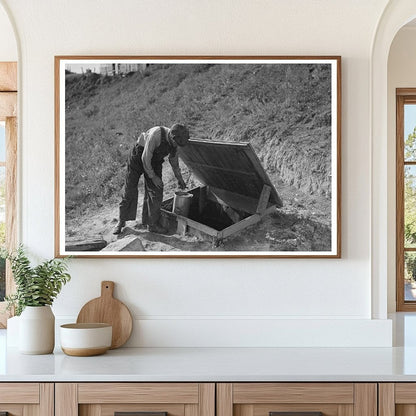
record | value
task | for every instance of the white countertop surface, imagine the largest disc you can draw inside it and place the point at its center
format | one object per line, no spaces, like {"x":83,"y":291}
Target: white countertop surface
{"x":215,"y":364}
{"x":222,"y":364}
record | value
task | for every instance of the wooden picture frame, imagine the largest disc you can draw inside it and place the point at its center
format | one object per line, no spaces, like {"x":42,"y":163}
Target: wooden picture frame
{"x":262,"y":167}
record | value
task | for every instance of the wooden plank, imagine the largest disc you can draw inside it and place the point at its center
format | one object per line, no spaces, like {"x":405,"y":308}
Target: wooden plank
{"x":202,"y":200}
{"x":405,"y":393}
{"x":340,"y":393}
{"x":263,"y":200}
{"x":91,"y":410}
{"x":181,"y":227}
{"x":236,"y":201}
{"x":207,"y":399}
{"x":233,"y":215}
{"x":365,"y":399}
{"x":85,"y":245}
{"x":230,"y":166}
{"x":8,"y":105}
{"x":8,"y":76}
{"x":252,"y":219}
{"x":198,"y":226}
{"x":386,"y":399}
{"x":406,"y":91}
{"x":345,"y":410}
{"x":66,"y":399}
{"x":190,"y":410}
{"x":47,"y":399}
{"x":246,"y":410}
{"x":339,"y":158}
{"x":224,"y":399}
{"x":400,"y":304}
{"x":23,"y":393}
{"x":58,"y":249}
{"x":197,"y":166}
{"x":138,"y":393}
{"x":30,"y":410}
{"x":405,"y":410}
{"x":235,"y":228}
{"x":265,"y":178}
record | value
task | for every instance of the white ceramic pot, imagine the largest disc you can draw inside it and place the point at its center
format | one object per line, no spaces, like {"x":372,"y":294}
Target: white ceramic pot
{"x":37,"y":330}
{"x":85,"y":339}
{"x":12,"y":333}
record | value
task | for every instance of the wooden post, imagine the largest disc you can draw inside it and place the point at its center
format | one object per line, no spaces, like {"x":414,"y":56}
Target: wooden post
{"x":11,"y":197}
{"x":203,"y":195}
{"x":181,"y":228}
{"x":264,"y":199}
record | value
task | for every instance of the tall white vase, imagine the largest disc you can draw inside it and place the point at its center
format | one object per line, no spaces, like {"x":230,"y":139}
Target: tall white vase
{"x":37,"y":330}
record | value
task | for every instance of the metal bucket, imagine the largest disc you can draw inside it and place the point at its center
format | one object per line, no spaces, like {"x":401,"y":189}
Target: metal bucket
{"x":182,"y":203}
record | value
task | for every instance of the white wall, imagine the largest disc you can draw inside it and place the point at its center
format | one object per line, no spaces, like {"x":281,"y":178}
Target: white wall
{"x":401,"y":74}
{"x":8,"y":46}
{"x":202,"y":302}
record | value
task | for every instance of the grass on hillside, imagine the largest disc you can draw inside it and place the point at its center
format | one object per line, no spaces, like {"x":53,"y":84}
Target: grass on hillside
{"x":284,"y":111}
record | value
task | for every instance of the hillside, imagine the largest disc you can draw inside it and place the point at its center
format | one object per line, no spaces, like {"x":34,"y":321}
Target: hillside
{"x":282,"y":110}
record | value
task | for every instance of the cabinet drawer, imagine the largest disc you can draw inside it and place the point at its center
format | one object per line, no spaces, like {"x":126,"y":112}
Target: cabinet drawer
{"x":397,"y":399}
{"x":21,"y":399}
{"x":146,"y":399}
{"x":297,"y":399}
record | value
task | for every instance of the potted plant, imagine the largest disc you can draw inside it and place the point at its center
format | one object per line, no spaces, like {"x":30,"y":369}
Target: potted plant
{"x":36,"y":289}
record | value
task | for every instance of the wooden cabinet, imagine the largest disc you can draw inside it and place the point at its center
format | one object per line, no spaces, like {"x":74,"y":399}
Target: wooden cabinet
{"x":397,"y":399}
{"x":27,"y":399}
{"x":208,"y":399}
{"x":297,"y":399}
{"x":107,"y":399}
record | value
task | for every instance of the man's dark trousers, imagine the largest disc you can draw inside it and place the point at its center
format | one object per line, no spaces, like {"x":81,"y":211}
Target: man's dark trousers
{"x":153,"y":195}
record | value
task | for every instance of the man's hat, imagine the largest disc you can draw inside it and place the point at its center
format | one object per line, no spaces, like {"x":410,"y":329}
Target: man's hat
{"x":180,"y":134}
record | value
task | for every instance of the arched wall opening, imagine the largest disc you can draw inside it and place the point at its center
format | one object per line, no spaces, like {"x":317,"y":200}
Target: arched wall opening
{"x":396,"y":15}
{"x":401,"y":73}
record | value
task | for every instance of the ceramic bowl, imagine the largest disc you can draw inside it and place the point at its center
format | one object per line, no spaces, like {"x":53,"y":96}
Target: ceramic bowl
{"x":83,"y":340}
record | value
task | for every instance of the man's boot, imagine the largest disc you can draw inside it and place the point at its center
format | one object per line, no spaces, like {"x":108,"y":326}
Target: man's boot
{"x":119,"y":227}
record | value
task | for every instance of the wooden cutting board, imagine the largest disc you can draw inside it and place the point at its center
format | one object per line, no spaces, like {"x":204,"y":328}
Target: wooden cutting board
{"x":108,"y":310}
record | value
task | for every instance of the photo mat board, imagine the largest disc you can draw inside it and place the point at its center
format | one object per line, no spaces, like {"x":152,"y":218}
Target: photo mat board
{"x":261,"y":169}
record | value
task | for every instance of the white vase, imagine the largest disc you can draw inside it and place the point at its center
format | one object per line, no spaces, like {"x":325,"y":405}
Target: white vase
{"x":12,"y":333}
{"x":37,"y":330}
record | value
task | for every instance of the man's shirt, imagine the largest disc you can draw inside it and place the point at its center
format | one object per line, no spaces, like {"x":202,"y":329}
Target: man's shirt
{"x":151,"y":140}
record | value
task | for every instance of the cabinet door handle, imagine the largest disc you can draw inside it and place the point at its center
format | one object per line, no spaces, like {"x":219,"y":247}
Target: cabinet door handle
{"x":295,"y":413}
{"x":139,"y":414}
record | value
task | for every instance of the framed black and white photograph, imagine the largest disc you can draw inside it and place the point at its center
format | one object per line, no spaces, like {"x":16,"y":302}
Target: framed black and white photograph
{"x":198,"y":156}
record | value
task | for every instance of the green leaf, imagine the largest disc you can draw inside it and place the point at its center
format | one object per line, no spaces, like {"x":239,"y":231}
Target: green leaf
{"x":35,"y":286}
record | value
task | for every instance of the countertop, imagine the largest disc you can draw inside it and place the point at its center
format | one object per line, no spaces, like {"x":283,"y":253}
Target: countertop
{"x":222,"y":364}
{"x":215,"y":364}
